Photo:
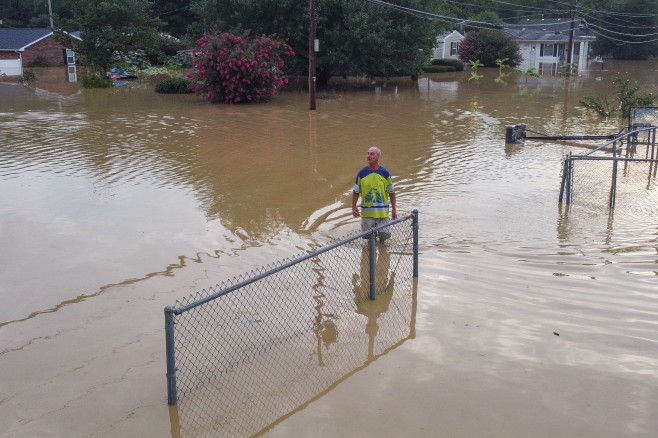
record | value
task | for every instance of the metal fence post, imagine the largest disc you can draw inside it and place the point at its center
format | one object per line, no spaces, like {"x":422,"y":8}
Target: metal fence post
{"x":565,"y":177}
{"x":613,"y":186}
{"x":171,"y":359}
{"x":569,"y":179}
{"x":371,"y":242}
{"x":414,"y":225}
{"x":177,"y":331}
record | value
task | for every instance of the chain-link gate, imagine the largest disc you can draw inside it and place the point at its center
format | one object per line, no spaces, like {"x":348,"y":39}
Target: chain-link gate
{"x":621,"y":171}
{"x":277,"y":323}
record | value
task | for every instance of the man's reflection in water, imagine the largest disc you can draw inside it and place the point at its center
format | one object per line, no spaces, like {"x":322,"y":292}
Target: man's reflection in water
{"x":373,"y":309}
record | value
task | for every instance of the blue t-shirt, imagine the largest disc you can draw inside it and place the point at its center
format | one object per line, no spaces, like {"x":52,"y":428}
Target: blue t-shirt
{"x":374,"y":186}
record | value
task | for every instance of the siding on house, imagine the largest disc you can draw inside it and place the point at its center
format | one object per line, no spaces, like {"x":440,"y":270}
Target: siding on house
{"x":447,"y":45}
{"x":544,"y":43}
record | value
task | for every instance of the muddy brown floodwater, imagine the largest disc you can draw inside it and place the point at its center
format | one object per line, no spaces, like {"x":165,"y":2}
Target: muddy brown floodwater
{"x":530,"y":320}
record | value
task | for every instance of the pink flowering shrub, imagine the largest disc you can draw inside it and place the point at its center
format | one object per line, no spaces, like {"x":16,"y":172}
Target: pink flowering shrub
{"x":238,"y":68}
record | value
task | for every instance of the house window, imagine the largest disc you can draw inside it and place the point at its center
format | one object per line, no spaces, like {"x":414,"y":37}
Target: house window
{"x":73,"y":75}
{"x":453,"y":48}
{"x":548,"y":50}
{"x":70,"y":57}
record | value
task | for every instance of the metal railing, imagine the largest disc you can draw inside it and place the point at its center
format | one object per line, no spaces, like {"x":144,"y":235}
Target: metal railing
{"x":625,"y":165}
{"x":219,"y":333}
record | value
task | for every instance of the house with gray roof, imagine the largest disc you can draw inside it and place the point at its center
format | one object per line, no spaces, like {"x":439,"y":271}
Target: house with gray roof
{"x":21,"y":47}
{"x":544,"y":42}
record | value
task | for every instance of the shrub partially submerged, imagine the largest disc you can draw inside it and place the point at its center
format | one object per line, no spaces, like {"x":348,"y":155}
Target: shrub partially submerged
{"x":455,"y":63}
{"x":95,"y":79}
{"x":174,"y":86}
{"x":624,"y":99}
{"x":438,"y":69}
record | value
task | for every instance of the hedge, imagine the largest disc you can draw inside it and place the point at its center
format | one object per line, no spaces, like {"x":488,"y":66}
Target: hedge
{"x":456,"y":63}
{"x":173,"y":86}
{"x":438,"y":69}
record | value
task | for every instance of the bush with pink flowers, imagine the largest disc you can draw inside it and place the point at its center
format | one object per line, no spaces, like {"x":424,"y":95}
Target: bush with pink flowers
{"x":238,"y":68}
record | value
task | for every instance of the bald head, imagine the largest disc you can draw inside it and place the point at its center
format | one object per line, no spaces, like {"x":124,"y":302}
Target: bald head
{"x":373,"y":157}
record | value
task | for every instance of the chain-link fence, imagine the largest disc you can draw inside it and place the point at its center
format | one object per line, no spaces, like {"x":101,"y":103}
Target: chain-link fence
{"x":244,"y":353}
{"x":620,"y":173}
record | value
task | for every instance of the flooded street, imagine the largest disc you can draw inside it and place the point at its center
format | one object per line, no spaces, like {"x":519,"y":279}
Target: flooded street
{"x":531,"y":320}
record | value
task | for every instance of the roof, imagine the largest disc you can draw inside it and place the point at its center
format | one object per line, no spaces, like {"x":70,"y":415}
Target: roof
{"x":18,"y":39}
{"x":450,"y":33}
{"x":549,"y":29}
{"x":445,"y":35}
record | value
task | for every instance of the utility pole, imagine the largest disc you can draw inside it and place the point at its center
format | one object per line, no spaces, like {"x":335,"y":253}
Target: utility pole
{"x":50,"y":14}
{"x":311,"y":56}
{"x":573,"y":18}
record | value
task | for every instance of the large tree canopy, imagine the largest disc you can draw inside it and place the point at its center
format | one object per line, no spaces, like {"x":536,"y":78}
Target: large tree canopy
{"x":627,"y":29}
{"x":30,"y":13}
{"x":176,"y":14}
{"x":356,"y":37}
{"x":110,"y":29}
{"x":362,"y":38}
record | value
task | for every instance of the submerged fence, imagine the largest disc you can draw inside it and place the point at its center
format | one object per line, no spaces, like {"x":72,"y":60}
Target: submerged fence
{"x":621,"y":169}
{"x":227,"y":335}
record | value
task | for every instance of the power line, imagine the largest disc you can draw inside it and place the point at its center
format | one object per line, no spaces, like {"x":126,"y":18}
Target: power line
{"x":602,"y":35}
{"x":622,"y":33}
{"x":515,"y":8}
{"x":618,"y":14}
{"x":594,"y":18}
{"x":430,"y":16}
{"x":456,"y":21}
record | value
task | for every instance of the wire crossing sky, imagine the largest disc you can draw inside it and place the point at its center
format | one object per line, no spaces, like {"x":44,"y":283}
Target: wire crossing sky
{"x":605,"y":24}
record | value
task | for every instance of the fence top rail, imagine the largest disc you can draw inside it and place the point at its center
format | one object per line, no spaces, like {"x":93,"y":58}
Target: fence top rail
{"x":617,"y":158}
{"x":302,"y":258}
{"x":621,"y":137}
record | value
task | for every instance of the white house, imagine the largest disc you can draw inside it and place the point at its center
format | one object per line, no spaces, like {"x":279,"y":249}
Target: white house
{"x":447,"y":45}
{"x":544,"y":42}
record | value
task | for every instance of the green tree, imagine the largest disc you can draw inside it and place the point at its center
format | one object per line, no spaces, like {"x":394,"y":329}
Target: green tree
{"x":110,"y":30}
{"x":487,"y":46}
{"x":361,"y":38}
{"x":489,"y":17}
{"x":356,"y":37}
{"x":626,"y":29}
{"x":176,"y":14}
{"x":30,"y":13}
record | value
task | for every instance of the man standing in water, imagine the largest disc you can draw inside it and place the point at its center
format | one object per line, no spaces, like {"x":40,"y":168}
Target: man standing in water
{"x":375,"y":186}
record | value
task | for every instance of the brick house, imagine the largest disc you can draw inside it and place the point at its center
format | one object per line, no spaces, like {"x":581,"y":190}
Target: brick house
{"x":21,"y":47}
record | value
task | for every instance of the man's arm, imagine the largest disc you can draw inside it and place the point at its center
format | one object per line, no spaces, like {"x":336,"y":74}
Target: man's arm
{"x":355,"y":209}
{"x":394,"y":213}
